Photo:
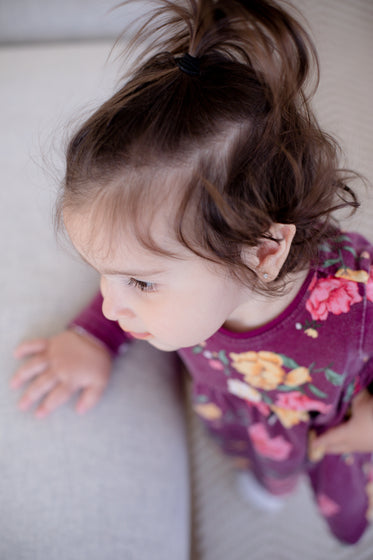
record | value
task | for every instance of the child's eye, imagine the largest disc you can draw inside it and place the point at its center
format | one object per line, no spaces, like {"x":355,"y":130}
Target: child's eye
{"x":141,"y":285}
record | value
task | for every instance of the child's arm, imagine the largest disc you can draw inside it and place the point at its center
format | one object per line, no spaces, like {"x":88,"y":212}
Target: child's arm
{"x":76,"y":360}
{"x":92,"y":321}
{"x":355,"y":435}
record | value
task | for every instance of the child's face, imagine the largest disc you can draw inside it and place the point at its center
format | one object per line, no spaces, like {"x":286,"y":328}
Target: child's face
{"x":172,"y":303}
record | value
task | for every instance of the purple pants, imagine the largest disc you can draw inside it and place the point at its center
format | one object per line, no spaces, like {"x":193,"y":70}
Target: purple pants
{"x":342,"y":484}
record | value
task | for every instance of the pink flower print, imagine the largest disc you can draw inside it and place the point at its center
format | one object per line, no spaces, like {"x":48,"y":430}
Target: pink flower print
{"x":327,"y":506}
{"x":297,"y":401}
{"x":262,"y":407}
{"x":276,"y":448}
{"x":216,"y":364}
{"x":313,"y":283}
{"x":332,"y":295}
{"x":357,"y":387}
{"x":370,"y":285}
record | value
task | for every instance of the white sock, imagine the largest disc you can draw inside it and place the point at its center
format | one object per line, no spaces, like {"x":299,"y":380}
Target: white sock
{"x":255,"y":494}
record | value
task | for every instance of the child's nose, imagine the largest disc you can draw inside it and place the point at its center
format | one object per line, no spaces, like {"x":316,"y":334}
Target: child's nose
{"x":115,"y":312}
{"x":112,"y":306}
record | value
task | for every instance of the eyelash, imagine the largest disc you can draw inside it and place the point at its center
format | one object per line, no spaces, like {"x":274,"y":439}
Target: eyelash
{"x":142,"y":286}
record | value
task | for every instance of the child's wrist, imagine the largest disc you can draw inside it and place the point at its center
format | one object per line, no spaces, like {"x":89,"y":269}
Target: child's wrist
{"x":81,"y":331}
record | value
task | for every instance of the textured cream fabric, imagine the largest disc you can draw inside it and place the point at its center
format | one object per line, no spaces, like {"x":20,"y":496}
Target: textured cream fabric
{"x":113,"y":484}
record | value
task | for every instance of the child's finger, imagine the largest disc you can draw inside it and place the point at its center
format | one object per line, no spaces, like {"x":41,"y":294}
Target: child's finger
{"x":33,"y":366}
{"x":315,"y":450}
{"x":88,"y":399}
{"x":55,"y":398}
{"x":38,"y":389}
{"x":336,"y":440}
{"x":30,"y":347}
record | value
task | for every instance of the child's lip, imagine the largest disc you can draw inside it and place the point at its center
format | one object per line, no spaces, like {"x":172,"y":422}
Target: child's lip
{"x":141,"y":336}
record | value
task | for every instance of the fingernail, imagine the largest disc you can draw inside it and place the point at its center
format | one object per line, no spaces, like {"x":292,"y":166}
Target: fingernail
{"x":41,"y":413}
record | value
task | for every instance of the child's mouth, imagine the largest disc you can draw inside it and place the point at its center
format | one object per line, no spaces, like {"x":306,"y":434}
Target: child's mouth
{"x":141,"y":336}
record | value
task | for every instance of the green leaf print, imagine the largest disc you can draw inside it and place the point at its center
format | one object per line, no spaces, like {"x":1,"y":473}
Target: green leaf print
{"x":334,"y":378}
{"x":223,"y":358}
{"x":325,"y":247}
{"x":342,"y":238}
{"x":330,"y":262}
{"x":317,"y":392}
{"x":351,"y":249}
{"x":286,"y":388}
{"x":197,"y":349}
{"x":349,"y":391}
{"x":266,"y":399}
{"x":288,"y":362}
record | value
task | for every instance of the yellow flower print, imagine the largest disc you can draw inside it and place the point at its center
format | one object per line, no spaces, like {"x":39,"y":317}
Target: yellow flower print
{"x":297,"y":376}
{"x":354,"y":275}
{"x":289,"y":418}
{"x":209,"y":411}
{"x":312,"y":333}
{"x":244,"y":391}
{"x":260,"y":369}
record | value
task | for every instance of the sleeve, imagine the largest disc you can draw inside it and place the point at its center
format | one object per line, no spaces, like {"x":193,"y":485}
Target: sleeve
{"x":92,"y":321}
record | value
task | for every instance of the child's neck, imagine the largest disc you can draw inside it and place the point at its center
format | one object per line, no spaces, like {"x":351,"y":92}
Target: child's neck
{"x":259,"y":310}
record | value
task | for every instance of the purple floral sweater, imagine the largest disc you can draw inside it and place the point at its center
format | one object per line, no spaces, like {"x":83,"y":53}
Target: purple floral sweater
{"x":261,"y":392}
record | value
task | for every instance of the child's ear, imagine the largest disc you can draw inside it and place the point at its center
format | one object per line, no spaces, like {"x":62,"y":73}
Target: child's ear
{"x":269,"y":256}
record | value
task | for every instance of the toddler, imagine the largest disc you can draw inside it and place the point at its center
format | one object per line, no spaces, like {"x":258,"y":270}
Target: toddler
{"x":203,"y":192}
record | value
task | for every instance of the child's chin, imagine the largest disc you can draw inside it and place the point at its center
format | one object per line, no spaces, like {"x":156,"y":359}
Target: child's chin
{"x":162,"y":346}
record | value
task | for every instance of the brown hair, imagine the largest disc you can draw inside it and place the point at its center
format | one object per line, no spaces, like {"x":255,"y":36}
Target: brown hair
{"x":238,"y":135}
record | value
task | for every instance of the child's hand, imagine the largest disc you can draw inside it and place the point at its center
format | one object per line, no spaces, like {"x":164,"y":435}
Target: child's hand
{"x":355,"y":435}
{"x":57,"y":368}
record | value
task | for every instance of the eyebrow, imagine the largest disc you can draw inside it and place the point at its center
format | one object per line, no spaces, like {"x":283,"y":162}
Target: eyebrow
{"x":113,"y":272}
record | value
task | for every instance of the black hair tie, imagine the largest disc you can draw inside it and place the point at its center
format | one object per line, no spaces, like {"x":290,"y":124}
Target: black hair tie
{"x":189,"y":64}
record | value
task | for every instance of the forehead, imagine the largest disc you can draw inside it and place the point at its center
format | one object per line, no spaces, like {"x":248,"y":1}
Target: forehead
{"x":142,"y":208}
{"x":105,"y":244}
